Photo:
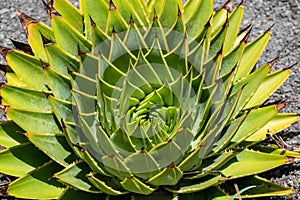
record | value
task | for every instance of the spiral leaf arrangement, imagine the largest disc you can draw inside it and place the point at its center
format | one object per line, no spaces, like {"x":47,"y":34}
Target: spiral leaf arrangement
{"x":140,"y":100}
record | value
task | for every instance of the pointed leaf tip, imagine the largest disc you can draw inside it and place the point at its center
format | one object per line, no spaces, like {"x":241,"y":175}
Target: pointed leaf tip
{"x":112,"y":5}
{"x":155,"y":17}
{"x":247,"y":36}
{"x":293,"y":66}
{"x":25,"y":20}
{"x":44,"y":65}
{"x":272,"y":62}
{"x":242,"y":3}
{"x":269,"y":30}
{"x":247,"y":27}
{"x":228,"y":6}
{"x":4,"y":51}
{"x":93,"y":23}
{"x":280,"y":106}
{"x":79,"y":50}
{"x":131,"y":21}
{"x":179,"y":13}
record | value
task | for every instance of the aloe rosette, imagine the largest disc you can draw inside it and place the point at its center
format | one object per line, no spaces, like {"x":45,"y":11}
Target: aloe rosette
{"x":140,"y":99}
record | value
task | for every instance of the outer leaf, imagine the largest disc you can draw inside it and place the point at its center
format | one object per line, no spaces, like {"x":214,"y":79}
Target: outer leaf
{"x":254,"y":121}
{"x":14,"y":162}
{"x":263,"y":187}
{"x":28,"y":69}
{"x":70,"y":13}
{"x":69,"y":194}
{"x":55,"y":146}
{"x":105,"y":186}
{"x":68,"y":38}
{"x":195,"y":187}
{"x":235,"y":20}
{"x":197,"y":14}
{"x":270,"y":84}
{"x":60,"y":60}
{"x":251,"y":55}
{"x":34,"y":122}
{"x":75,"y":176}
{"x":25,"y":99}
{"x":11,"y":134}
{"x":36,"y":41}
{"x":243,"y":165}
{"x":133,"y":184}
{"x":168,"y":176}
{"x":278,"y":123}
{"x":38,"y":184}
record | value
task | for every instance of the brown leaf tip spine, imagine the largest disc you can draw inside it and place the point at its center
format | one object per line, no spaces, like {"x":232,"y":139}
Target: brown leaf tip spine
{"x":280,"y":106}
{"x":242,"y":3}
{"x":4,"y":51}
{"x":155,"y":17}
{"x":269,"y":30}
{"x":247,"y":36}
{"x":131,"y":21}
{"x":293,"y":66}
{"x":179,"y":12}
{"x":79,"y":51}
{"x":44,"y":65}
{"x":272,"y":62}
{"x":25,"y":20}
{"x":93,"y":23}
{"x":228,"y":6}
{"x":112,"y":5}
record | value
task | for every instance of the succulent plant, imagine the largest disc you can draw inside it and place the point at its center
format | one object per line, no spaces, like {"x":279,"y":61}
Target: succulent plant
{"x":140,"y":100}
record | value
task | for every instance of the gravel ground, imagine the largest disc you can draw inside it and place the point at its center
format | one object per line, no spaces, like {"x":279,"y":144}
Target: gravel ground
{"x":285,"y":43}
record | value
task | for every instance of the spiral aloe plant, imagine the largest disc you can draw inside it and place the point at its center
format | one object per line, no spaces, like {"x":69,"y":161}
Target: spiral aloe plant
{"x":140,"y":99}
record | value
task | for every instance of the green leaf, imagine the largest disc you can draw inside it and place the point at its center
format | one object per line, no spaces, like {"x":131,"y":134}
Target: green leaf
{"x":35,"y":32}
{"x":62,"y":109}
{"x":254,"y":121}
{"x":69,"y":38}
{"x":251,"y":55}
{"x":70,"y":193}
{"x":34,"y":122}
{"x":269,"y":85}
{"x":235,"y":19}
{"x":60,"y":60}
{"x":263,"y":187}
{"x":278,"y":123}
{"x":28,"y":69}
{"x":55,"y":146}
{"x":168,"y":176}
{"x":105,"y":185}
{"x":39,"y":184}
{"x":11,"y":134}
{"x":21,"y":159}
{"x":197,"y":14}
{"x":147,"y":166}
{"x":59,"y":84}
{"x":116,"y":21}
{"x":25,"y":99}
{"x":192,"y":187}
{"x":91,"y":9}
{"x":75,"y":175}
{"x":133,"y":184}
{"x":249,"y":86}
{"x":243,"y":164}
{"x":70,"y":13}
{"x":167,"y":11}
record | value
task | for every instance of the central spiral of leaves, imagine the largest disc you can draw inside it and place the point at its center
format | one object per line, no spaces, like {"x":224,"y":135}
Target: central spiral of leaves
{"x":138,"y":102}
